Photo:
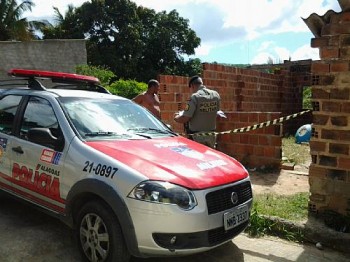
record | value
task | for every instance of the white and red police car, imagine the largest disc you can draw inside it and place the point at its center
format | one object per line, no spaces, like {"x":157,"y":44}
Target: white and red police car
{"x":109,"y":169}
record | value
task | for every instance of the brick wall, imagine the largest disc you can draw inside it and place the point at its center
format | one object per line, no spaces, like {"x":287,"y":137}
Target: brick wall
{"x":248,"y":97}
{"x":296,"y":75}
{"x":51,"y":55}
{"x":329,"y":173}
{"x":257,"y":148}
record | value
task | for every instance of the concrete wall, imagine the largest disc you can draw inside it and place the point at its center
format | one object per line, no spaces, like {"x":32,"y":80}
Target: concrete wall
{"x":50,"y":55}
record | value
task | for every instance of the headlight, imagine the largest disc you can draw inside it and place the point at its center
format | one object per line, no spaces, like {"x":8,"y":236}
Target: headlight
{"x":164,"y":193}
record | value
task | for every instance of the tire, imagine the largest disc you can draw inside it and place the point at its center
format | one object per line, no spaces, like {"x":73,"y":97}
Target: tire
{"x":99,"y":235}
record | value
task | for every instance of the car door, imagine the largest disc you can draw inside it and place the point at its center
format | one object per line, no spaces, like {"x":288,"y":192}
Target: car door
{"x":9,"y":105}
{"x":37,"y":166}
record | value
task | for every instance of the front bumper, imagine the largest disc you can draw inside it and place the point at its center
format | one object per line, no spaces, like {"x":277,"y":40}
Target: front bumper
{"x":166,"y":230}
{"x":206,"y":239}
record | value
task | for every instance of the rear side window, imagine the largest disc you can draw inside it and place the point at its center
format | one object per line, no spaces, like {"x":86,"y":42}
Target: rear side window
{"x":8,"y":108}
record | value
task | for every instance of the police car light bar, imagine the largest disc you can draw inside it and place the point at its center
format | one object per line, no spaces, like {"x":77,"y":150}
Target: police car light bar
{"x":53,"y":75}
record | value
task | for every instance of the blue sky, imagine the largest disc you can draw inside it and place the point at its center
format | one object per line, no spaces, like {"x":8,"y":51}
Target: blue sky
{"x":234,"y":31}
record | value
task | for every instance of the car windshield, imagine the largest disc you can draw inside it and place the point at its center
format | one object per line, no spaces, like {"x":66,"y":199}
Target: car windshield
{"x":100,"y":118}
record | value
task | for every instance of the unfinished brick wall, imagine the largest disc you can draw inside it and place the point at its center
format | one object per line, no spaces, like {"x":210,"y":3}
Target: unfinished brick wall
{"x":248,"y":97}
{"x":329,"y":174}
{"x":296,"y":76}
{"x":257,"y":148}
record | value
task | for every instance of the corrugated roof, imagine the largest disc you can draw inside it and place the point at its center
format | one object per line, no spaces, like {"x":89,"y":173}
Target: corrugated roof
{"x":316,"y":22}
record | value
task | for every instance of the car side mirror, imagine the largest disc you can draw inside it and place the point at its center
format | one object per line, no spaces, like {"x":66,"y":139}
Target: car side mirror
{"x":42,"y":136}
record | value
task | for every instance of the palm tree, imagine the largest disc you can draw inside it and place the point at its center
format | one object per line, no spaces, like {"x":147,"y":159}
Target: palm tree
{"x":64,"y":27}
{"x":12,"y":25}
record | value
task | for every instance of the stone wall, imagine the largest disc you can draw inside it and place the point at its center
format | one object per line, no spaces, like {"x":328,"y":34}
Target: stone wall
{"x":50,"y":55}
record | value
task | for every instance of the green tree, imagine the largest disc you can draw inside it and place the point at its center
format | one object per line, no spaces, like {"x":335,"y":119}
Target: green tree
{"x":133,"y":42}
{"x":166,"y":38}
{"x":12,"y":25}
{"x":186,"y":68}
{"x":64,"y":26}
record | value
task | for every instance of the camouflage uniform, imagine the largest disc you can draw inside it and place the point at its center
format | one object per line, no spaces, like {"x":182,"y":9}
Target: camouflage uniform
{"x":202,"y":108}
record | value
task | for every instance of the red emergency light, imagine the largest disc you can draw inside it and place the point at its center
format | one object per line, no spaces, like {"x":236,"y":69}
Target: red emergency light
{"x":53,"y":75}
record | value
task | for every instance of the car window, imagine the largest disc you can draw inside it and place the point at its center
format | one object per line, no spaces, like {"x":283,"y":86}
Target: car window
{"x":39,"y":114}
{"x":93,"y":117}
{"x":8,"y":108}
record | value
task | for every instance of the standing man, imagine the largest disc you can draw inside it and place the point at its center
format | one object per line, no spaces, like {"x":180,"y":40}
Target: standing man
{"x":200,"y":112}
{"x":149,"y":99}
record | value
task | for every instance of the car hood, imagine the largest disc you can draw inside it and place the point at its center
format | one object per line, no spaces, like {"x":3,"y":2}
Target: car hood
{"x":175,"y":159}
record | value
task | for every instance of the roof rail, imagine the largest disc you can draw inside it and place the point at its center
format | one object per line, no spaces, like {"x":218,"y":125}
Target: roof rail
{"x":35,"y":84}
{"x":22,"y":82}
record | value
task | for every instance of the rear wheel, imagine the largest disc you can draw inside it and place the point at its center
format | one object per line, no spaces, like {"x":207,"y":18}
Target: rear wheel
{"x":99,"y":234}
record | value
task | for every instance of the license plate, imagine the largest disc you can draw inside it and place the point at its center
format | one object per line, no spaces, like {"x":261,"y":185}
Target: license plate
{"x":235,"y":217}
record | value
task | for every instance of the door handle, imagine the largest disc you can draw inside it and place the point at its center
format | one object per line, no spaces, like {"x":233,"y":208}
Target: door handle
{"x":18,"y":149}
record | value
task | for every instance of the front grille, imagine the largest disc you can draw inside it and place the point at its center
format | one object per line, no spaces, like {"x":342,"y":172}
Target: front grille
{"x":220,"y":200}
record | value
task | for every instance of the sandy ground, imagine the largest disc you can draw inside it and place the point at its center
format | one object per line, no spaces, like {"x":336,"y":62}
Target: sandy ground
{"x":283,"y":182}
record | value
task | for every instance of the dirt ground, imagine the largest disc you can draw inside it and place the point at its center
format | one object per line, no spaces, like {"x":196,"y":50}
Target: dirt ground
{"x":283,"y":182}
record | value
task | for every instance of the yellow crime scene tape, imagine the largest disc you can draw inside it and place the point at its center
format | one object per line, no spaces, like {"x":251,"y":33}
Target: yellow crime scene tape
{"x":253,"y":127}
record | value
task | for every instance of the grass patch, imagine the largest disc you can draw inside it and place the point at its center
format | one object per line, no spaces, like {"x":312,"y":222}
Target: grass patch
{"x":293,"y":152}
{"x":291,"y":207}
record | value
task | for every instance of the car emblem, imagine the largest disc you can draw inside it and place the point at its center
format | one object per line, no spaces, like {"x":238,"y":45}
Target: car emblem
{"x":234,"y":198}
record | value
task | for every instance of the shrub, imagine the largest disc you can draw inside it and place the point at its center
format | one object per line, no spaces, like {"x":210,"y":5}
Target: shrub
{"x":127,"y":88}
{"x":103,"y":74}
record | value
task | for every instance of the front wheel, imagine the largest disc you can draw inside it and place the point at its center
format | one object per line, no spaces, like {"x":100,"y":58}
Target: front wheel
{"x":99,"y":235}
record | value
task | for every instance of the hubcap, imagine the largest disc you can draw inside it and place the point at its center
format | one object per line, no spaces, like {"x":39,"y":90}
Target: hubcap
{"x":94,"y":238}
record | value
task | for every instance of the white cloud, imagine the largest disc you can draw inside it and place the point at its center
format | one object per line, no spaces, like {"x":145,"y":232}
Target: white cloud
{"x":203,"y":50}
{"x":282,"y":53}
{"x":306,"y":52}
{"x":265,"y":45}
{"x":227,"y":21}
{"x":262,"y":58}
{"x":44,"y":8}
{"x":220,"y":23}
{"x":231,"y":19}
{"x":269,"y":49}
{"x":279,"y":54}
{"x":320,"y":7}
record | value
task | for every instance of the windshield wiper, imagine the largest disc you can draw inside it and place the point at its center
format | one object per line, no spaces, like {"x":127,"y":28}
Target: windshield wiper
{"x":103,"y":133}
{"x":148,"y":130}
